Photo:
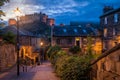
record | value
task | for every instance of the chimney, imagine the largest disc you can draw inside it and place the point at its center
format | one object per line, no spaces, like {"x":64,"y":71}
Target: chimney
{"x":107,"y":8}
{"x":12,"y":22}
{"x":61,"y":24}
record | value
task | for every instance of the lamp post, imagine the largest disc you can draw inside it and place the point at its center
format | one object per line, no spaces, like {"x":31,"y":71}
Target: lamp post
{"x":41,"y":52}
{"x":17,"y":12}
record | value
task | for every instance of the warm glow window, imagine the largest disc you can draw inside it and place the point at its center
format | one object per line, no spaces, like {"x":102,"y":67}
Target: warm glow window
{"x":105,"y":32}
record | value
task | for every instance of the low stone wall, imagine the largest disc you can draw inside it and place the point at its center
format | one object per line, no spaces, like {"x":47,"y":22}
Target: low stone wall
{"x":7,"y":56}
{"x":107,"y":68}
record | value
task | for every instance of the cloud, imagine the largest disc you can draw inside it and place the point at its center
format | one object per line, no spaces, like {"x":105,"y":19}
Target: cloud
{"x":61,"y":9}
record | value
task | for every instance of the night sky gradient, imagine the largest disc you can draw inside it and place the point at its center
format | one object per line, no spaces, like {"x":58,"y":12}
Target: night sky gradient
{"x":63,"y":11}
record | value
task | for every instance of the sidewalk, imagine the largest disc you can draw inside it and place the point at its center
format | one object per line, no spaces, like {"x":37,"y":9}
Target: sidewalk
{"x":41,"y":72}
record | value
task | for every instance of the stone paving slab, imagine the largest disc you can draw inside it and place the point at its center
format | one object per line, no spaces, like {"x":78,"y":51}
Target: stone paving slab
{"x":41,"y":72}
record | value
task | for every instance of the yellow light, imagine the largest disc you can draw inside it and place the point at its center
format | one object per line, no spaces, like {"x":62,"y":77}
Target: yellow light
{"x":41,"y":43}
{"x":17,"y":12}
{"x":77,"y":38}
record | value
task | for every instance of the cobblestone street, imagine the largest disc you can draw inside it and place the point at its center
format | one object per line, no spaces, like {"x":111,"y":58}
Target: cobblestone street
{"x":41,"y":72}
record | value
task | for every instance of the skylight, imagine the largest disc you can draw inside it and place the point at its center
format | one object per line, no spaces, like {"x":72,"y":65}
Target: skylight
{"x":75,"y":30}
{"x":84,"y":31}
{"x":64,"y":30}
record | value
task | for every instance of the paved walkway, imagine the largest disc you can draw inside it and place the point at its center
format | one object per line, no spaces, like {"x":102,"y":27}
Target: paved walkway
{"x":41,"y":72}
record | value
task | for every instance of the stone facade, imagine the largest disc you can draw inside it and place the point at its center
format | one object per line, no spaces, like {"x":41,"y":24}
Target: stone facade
{"x":67,"y":42}
{"x":29,"y":45}
{"x":7,"y":56}
{"x":110,"y":22}
{"x":108,"y":68}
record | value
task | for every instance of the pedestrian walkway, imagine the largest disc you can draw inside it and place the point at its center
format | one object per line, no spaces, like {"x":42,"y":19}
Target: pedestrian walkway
{"x":41,"y":72}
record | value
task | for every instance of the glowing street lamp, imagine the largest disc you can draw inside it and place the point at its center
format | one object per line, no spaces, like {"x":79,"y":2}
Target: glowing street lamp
{"x":41,"y":43}
{"x":17,"y":13}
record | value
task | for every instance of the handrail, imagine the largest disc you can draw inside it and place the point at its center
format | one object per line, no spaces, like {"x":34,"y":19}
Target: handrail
{"x":117,"y":47}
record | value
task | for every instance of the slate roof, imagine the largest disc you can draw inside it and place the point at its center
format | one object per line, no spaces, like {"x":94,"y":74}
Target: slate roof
{"x":110,"y":12}
{"x":73,"y":31}
{"x":13,"y":29}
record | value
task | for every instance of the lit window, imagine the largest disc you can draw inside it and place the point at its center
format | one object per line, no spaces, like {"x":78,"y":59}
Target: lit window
{"x":105,"y":32}
{"x":116,"y":18}
{"x":105,"y":20}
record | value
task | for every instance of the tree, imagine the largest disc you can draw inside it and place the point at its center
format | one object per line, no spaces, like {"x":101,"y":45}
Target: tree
{"x":9,"y":37}
{"x":2,"y":2}
{"x":89,"y":45}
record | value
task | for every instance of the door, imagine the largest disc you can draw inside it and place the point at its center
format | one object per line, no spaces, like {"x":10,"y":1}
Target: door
{"x":77,"y":43}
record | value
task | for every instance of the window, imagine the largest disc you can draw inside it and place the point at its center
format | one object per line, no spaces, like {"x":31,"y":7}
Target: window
{"x":116,"y":18}
{"x":84,"y":31}
{"x":75,"y":30}
{"x":58,"y":41}
{"x":105,"y":21}
{"x":64,"y":30}
{"x":105,"y":32}
{"x":114,"y":31}
{"x":69,"y":41}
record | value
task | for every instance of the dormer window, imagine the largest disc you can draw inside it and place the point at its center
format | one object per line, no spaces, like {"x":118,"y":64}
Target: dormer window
{"x":84,"y":31}
{"x":116,"y":18}
{"x":64,"y":30}
{"x":105,"y":21}
{"x":75,"y":30}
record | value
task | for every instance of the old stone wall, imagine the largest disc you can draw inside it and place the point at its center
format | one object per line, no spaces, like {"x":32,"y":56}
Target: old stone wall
{"x":108,"y":68}
{"x":7,"y":56}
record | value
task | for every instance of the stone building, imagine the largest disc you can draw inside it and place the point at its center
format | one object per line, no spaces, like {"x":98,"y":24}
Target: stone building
{"x":68,"y":36}
{"x":31,"y":18}
{"x":7,"y":56}
{"x":28,"y":43}
{"x":50,"y":22}
{"x":110,"y":22}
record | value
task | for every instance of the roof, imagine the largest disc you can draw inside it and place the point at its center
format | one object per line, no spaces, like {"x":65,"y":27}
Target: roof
{"x":110,"y":12}
{"x":73,"y":31}
{"x":13,"y":29}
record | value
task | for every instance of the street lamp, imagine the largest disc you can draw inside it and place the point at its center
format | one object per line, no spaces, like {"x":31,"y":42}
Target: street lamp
{"x":17,"y":12}
{"x":41,"y":44}
{"x":41,"y":52}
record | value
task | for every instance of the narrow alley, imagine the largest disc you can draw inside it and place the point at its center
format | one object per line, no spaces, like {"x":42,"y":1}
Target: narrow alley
{"x":41,"y":72}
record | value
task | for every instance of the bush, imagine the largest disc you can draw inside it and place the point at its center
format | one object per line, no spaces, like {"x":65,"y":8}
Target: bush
{"x":75,"y":49}
{"x":55,"y":56}
{"x":9,"y":37}
{"x":72,"y":67}
{"x":52,"y":50}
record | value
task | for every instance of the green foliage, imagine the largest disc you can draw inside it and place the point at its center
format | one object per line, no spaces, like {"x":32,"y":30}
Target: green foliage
{"x":75,"y":49}
{"x":9,"y":37}
{"x":89,"y":45}
{"x":53,"y":50}
{"x":55,"y":56}
{"x":72,"y":67}
{"x":2,"y":2}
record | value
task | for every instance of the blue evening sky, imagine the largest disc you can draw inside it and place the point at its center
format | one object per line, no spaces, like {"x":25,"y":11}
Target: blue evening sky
{"x":63,"y":11}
